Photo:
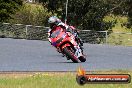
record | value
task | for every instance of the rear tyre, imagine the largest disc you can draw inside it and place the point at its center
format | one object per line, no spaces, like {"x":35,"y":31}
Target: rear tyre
{"x":68,"y":52}
{"x":82,"y":59}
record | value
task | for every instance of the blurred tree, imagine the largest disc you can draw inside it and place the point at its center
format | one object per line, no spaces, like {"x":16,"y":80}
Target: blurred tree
{"x":31,"y":14}
{"x":123,"y":8}
{"x":119,"y":7}
{"x":129,"y":24}
{"x":7,"y":8}
{"x":86,"y":14}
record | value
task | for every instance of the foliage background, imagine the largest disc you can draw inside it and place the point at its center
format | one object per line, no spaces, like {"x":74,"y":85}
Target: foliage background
{"x":7,"y":8}
{"x":85,"y":14}
{"x":31,"y":14}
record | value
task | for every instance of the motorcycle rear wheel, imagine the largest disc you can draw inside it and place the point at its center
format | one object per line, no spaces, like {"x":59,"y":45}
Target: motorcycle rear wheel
{"x":68,"y":52}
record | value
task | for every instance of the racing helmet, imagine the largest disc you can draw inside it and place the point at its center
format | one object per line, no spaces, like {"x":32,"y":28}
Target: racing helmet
{"x":53,"y":20}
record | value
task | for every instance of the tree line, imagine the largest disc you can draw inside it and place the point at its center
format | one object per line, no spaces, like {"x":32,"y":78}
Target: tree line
{"x":85,"y":14}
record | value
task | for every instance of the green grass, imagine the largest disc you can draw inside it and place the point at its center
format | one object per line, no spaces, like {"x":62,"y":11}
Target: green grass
{"x":119,"y":39}
{"x":54,"y":80}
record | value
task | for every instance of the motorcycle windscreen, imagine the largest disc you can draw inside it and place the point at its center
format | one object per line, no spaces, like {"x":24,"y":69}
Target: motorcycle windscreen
{"x":57,"y":37}
{"x":55,"y":33}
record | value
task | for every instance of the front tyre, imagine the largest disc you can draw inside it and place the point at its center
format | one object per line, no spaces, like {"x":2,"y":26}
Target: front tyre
{"x":69,"y":54}
{"x":82,"y":58}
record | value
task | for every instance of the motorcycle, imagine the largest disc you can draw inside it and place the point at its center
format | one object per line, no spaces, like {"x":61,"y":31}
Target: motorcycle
{"x":66,"y":44}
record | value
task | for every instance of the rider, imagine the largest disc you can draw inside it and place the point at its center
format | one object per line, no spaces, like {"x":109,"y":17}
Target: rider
{"x":55,"y":21}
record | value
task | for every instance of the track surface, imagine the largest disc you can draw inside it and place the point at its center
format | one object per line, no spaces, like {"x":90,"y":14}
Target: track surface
{"x":34,"y":55}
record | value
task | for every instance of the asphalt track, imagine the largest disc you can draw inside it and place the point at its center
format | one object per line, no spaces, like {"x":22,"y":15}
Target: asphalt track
{"x":35,"y":55}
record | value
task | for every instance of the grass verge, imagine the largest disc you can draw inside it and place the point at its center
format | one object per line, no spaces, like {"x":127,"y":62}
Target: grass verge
{"x":54,"y":80}
{"x":119,"y":38}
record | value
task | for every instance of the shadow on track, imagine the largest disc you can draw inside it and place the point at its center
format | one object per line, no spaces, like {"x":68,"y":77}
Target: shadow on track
{"x":69,"y":62}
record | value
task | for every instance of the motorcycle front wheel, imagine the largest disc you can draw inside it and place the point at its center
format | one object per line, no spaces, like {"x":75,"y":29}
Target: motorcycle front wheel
{"x":70,"y":54}
{"x":82,"y":59}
